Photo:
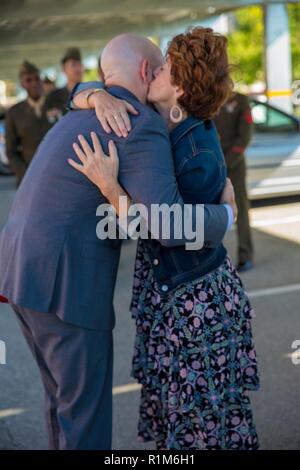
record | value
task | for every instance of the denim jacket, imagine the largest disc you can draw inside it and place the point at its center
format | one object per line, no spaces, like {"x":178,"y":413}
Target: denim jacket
{"x":201,"y":175}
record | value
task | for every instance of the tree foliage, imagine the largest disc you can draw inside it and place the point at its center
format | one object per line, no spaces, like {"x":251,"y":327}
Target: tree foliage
{"x":294,"y":17}
{"x":245,"y":46}
{"x":246,"y":43}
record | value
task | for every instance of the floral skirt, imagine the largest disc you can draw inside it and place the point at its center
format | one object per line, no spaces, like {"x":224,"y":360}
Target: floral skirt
{"x":195,"y":359}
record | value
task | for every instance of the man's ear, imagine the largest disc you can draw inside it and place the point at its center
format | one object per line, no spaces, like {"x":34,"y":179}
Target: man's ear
{"x":145,"y":71}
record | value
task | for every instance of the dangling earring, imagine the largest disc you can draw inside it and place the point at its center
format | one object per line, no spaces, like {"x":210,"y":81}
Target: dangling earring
{"x":176,"y":114}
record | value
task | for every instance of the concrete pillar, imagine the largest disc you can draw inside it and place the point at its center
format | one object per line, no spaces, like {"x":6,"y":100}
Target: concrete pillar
{"x":278,"y":65}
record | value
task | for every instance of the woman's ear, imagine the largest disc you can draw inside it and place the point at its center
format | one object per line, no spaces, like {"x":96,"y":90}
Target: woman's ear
{"x":179,"y":92}
{"x":145,"y":71}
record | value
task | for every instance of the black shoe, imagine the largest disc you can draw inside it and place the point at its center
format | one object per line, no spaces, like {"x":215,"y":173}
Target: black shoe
{"x":246,"y":266}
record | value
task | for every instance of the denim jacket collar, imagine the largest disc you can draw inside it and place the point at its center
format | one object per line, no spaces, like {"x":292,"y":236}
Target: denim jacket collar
{"x":183,"y":128}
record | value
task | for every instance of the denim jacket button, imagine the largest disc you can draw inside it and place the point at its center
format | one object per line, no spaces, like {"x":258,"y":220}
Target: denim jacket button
{"x":155,"y":262}
{"x":164,"y":288}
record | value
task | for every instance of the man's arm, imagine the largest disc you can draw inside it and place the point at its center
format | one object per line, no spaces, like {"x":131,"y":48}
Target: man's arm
{"x":147,"y":175}
{"x":17,"y":164}
{"x":217,"y":218}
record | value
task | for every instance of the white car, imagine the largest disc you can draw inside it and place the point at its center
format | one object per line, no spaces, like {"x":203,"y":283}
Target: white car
{"x":273,"y":158}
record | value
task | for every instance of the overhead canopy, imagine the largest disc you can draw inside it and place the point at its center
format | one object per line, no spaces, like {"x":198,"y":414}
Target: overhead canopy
{"x":40,"y":30}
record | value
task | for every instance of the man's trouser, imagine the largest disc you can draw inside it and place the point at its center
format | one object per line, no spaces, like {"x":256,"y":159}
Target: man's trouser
{"x":237,"y":174}
{"x":76,"y":370}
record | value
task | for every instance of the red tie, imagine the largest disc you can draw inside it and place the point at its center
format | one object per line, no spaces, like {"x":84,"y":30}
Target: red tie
{"x":3,"y":299}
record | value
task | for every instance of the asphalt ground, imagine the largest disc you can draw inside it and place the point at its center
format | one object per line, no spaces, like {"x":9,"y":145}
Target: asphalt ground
{"x":274,"y":287}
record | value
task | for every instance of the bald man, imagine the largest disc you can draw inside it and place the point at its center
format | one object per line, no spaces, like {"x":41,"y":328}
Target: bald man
{"x":58,"y":276}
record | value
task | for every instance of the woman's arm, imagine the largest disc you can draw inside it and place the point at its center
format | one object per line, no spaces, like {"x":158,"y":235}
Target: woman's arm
{"x":112,"y":112}
{"x":102,"y":170}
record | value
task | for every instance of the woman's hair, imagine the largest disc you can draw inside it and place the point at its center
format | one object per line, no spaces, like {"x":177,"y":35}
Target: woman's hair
{"x":199,"y":65}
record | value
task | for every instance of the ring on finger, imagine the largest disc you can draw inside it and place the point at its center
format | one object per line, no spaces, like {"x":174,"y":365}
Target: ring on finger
{"x":115,"y":116}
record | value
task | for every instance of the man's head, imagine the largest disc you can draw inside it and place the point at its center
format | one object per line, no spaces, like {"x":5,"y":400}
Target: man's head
{"x":30,"y":80}
{"x":129,"y":60}
{"x":72,"y":66}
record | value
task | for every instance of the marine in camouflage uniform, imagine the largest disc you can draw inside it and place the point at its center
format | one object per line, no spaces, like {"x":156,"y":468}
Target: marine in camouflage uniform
{"x":26,"y":123}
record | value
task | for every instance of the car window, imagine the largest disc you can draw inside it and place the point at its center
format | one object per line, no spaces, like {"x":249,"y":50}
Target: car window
{"x":271,"y":120}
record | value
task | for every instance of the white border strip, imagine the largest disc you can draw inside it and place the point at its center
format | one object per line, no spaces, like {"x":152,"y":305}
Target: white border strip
{"x":11,"y":412}
{"x":274,"y":291}
{"x":279,"y":221}
{"x":126,"y":388}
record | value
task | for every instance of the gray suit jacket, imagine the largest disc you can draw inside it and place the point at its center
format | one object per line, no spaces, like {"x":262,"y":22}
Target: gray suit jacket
{"x":50,"y":257}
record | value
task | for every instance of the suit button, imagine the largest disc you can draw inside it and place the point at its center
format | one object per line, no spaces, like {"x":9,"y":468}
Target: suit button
{"x":164,"y":288}
{"x":156,"y":262}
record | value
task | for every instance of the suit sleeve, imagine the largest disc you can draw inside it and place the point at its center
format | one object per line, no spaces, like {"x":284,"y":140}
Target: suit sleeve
{"x":17,"y":164}
{"x":147,"y":174}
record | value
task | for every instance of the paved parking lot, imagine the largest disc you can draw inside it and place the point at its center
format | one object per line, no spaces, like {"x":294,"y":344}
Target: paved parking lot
{"x":274,"y":286}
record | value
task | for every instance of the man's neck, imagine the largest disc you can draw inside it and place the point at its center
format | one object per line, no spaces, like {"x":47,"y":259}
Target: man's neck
{"x":37,"y":104}
{"x":128,"y":86}
{"x":34,"y":98}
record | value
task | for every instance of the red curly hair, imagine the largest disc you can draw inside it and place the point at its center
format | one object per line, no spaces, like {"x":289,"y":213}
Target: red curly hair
{"x":199,"y":65}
